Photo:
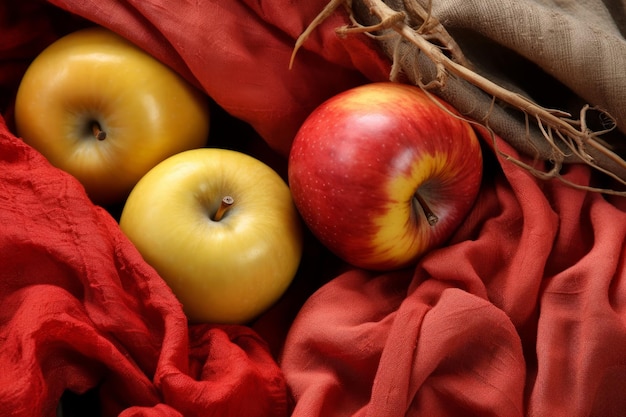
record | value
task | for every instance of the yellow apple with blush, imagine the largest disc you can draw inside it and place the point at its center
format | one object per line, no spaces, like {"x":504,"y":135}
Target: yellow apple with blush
{"x":221,"y":229}
{"x":104,"y":110}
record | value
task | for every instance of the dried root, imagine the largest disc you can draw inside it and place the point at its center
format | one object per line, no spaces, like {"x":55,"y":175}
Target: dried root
{"x":568,"y":139}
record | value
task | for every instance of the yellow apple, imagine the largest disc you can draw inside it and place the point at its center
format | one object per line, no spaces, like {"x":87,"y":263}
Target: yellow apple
{"x":102,"y":109}
{"x":221,"y":229}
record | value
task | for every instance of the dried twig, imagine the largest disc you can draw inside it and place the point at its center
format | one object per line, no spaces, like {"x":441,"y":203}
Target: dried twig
{"x":417,"y":25}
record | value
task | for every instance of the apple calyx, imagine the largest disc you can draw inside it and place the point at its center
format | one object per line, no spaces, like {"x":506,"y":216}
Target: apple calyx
{"x":225,"y":204}
{"x":97,"y":131}
{"x":430,"y":216}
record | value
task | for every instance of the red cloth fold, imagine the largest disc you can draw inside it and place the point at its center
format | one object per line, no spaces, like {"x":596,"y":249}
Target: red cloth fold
{"x":523,"y":313}
{"x":239,"y":52}
{"x":82,"y":310}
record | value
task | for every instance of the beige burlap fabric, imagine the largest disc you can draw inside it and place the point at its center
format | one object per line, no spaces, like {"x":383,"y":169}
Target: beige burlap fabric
{"x":562,"y":54}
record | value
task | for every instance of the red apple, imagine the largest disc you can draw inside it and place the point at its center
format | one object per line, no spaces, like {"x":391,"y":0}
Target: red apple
{"x":383,"y":173}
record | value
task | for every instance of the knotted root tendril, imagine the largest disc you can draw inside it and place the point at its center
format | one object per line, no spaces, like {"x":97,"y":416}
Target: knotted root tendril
{"x":417,"y":25}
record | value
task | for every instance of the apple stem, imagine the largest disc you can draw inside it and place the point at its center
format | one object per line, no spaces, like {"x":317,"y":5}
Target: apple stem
{"x":223,"y":208}
{"x":430,"y":216}
{"x":97,"y":131}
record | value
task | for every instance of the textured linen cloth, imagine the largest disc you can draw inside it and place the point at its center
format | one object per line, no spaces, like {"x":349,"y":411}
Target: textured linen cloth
{"x":521,"y":313}
{"x":81,"y":310}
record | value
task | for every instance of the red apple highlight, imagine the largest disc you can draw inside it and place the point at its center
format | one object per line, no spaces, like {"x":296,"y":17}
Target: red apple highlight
{"x":383,"y":173}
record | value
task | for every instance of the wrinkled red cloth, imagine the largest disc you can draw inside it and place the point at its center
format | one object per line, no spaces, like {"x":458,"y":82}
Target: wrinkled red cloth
{"x":523,"y":313}
{"x":82,"y":310}
{"x":239,"y":52}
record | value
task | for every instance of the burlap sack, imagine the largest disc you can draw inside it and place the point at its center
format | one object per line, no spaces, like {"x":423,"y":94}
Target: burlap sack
{"x":561,"y":55}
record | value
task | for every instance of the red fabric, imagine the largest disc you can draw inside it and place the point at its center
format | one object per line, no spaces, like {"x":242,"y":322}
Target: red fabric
{"x":239,"y":52}
{"x":80,"y":309}
{"x":522,"y":314}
